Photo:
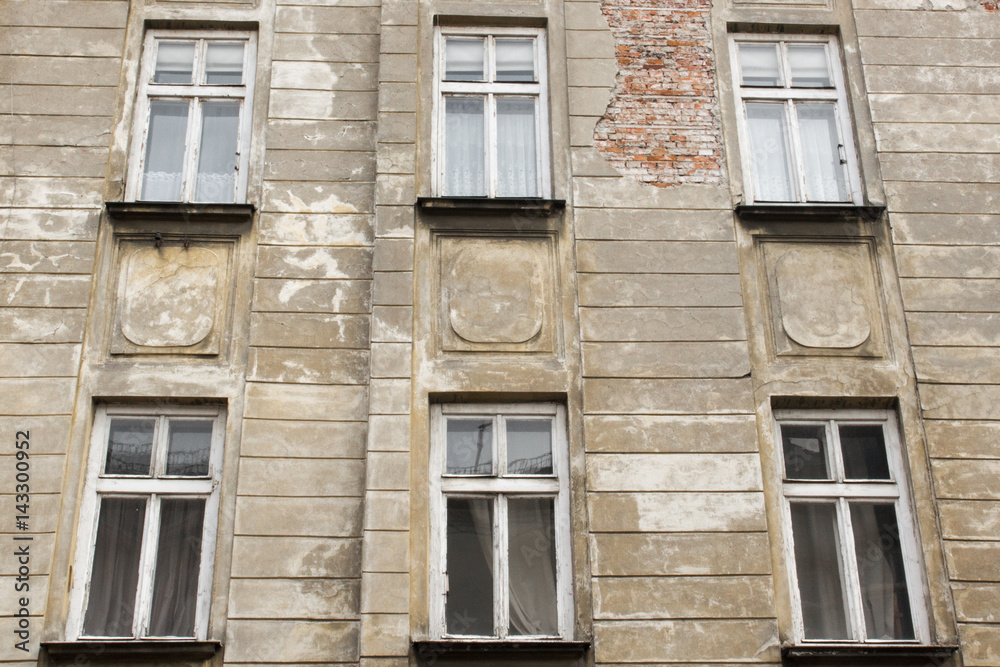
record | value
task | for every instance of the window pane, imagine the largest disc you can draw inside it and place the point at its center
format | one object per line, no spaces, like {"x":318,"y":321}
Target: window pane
{"x":769,"y":146}
{"x":809,"y":65}
{"x":884,"y":597}
{"x":515,"y":59}
{"x":463,"y":59}
{"x":188,"y":448}
{"x":529,"y":447}
{"x":469,"y":602}
{"x":759,"y":65}
{"x":130,"y":447}
{"x":817,"y":564}
{"x":114,"y":577}
{"x":863,"y":447}
{"x":517,"y":162}
{"x":825,"y":177}
{"x":178,"y":559}
{"x":164,"y":162}
{"x":805,"y":451}
{"x":465,"y":147}
{"x":224,"y":64}
{"x":217,"y":155}
{"x":174,"y":62}
{"x":532,"y":561}
{"x":470,"y":447}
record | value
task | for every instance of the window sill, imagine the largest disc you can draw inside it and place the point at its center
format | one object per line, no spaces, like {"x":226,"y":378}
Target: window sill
{"x":140,"y":211}
{"x":808,"y":212}
{"x":131,"y":650}
{"x":529,"y":206}
{"x":428,"y":651}
{"x":865,"y":652}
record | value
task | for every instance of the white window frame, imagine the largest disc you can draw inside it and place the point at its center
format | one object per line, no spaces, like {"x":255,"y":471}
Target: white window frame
{"x":839,"y":491}
{"x":538,"y":90}
{"x":555,"y":485}
{"x":97,"y":485}
{"x":789,"y":95}
{"x":196,"y":91}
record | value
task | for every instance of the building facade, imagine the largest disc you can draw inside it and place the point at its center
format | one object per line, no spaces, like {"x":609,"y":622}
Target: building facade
{"x":399,"y":332}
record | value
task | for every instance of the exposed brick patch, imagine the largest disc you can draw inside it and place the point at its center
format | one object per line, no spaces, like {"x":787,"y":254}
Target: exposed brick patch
{"x":991,"y":5}
{"x":662,"y":126}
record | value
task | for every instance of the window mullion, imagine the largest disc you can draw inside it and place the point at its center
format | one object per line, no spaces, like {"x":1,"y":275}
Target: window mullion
{"x":190,"y":175}
{"x":500,"y":571}
{"x":491,"y":145}
{"x":798,"y":159}
{"x":147,"y":567}
{"x":853,"y":579}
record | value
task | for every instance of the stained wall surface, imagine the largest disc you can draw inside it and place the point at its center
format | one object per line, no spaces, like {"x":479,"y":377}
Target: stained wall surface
{"x":343,"y":309}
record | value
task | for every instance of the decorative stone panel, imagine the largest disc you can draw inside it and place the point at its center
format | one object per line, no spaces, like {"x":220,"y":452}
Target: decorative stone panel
{"x":171,"y":298}
{"x":823,"y":298}
{"x":496,"y":294}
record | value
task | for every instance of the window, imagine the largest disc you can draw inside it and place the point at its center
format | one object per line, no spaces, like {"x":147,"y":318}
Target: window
{"x":501,"y":522}
{"x":492,"y":139}
{"x":795,"y":128}
{"x":856,"y":575}
{"x":192,"y":134}
{"x":148,"y":523}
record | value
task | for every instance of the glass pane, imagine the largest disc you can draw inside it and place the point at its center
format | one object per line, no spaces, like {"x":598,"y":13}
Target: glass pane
{"x":769,"y":146}
{"x":470,"y":447}
{"x":759,"y":65}
{"x":174,"y":62}
{"x":114,"y":577}
{"x":463,"y":59}
{"x":130,"y":447}
{"x":825,"y":176}
{"x":884,"y":598}
{"x":532,"y":556}
{"x":465,"y":147}
{"x":817,"y":563}
{"x":517,"y":161}
{"x":809,"y":65}
{"x":515,"y":59}
{"x":189,"y":444}
{"x":469,"y":602}
{"x":164,"y":162}
{"x":220,"y":129}
{"x":805,"y":451}
{"x":863,"y":447}
{"x":529,"y":447}
{"x":224,"y":64}
{"x":178,"y":559}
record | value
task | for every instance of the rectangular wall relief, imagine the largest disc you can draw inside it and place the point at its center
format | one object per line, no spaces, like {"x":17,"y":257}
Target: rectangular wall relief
{"x":496,"y":294}
{"x":823,"y":297}
{"x":172,"y":297}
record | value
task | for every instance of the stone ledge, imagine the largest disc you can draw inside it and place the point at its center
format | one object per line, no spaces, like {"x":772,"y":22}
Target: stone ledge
{"x":864,"y":653}
{"x":808,"y":212}
{"x":428,"y":651}
{"x":141,"y":211}
{"x":527,"y":206}
{"x":131,"y":650}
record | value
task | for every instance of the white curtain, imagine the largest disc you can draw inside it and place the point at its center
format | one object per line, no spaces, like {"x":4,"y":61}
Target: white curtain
{"x":880,"y":571}
{"x":517,"y":163}
{"x":114,"y":576}
{"x":164,"y":162}
{"x":817,"y":563}
{"x":531,"y":553}
{"x":825,"y":176}
{"x":178,"y":560}
{"x":465,"y":147}
{"x":220,"y":123}
{"x":769,"y":146}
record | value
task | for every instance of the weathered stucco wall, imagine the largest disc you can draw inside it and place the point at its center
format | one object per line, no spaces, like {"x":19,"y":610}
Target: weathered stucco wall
{"x":933,"y":79}
{"x":60,"y":75}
